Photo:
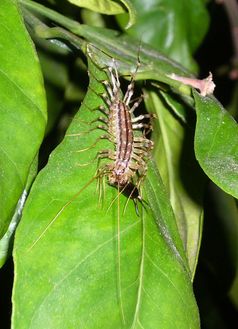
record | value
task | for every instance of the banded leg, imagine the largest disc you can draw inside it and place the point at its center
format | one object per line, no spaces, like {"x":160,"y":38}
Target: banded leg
{"x":135,"y":105}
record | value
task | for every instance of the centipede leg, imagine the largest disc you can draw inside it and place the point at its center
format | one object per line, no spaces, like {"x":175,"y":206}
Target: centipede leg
{"x":135,"y":105}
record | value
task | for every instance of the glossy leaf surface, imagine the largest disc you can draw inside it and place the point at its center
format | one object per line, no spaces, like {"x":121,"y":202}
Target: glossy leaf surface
{"x":22,"y":109}
{"x":216,"y":143}
{"x":67,"y":245}
{"x":174,"y":36}
{"x":178,"y":168}
{"x":108,"y":7}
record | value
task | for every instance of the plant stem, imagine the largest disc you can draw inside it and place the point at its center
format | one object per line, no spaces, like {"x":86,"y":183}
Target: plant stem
{"x":155,"y":65}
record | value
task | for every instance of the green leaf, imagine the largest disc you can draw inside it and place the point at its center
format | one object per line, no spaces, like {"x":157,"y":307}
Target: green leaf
{"x":6,"y":242}
{"x":109,"y":7}
{"x":67,"y":244}
{"x":179,"y":170}
{"x":131,"y":11}
{"x":174,"y":36}
{"x":216,"y":143}
{"x":22,"y":109}
{"x":124,"y":48}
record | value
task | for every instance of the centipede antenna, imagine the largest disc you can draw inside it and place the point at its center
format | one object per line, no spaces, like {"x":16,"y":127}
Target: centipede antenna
{"x":136,"y":207}
{"x":130,"y":197}
{"x":119,"y":256}
{"x":102,"y":51}
{"x":60,"y":212}
{"x":113,"y":60}
{"x":100,"y":189}
{"x":103,"y":187}
{"x":117,"y":196}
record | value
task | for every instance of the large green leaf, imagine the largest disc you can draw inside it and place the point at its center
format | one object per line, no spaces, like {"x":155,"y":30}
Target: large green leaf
{"x":216,"y":143}
{"x":67,"y":245}
{"x":179,"y":170}
{"x":109,"y":7}
{"x":185,"y":198}
{"x":102,"y":6}
{"x":22,"y":109}
{"x":6,"y":241}
{"x":158,"y":66}
{"x":161,"y":23}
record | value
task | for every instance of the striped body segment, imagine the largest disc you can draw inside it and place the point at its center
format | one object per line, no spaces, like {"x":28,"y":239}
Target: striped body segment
{"x":130,"y":152}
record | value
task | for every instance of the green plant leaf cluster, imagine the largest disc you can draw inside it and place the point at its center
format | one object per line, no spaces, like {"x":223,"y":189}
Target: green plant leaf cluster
{"x":60,"y":227}
{"x":216,"y":143}
{"x":162,"y":25}
{"x":22,"y":110}
{"x":85,"y":255}
{"x":109,"y":7}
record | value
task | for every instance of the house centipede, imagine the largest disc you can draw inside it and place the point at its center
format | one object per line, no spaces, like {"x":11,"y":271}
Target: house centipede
{"x":130,"y":154}
{"x":129,"y":157}
{"x":128,"y":161}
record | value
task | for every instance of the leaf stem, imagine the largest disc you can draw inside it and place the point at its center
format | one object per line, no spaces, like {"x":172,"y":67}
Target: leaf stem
{"x":119,"y":257}
{"x":155,"y":66}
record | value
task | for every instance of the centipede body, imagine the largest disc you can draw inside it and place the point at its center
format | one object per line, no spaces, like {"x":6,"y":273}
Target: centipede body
{"x":131,"y":152}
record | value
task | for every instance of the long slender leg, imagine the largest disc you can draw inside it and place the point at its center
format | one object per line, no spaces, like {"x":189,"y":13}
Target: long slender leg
{"x":129,"y":93}
{"x":106,"y":154}
{"x":141,"y":125}
{"x":117,"y":81}
{"x":135,"y":105}
{"x":109,"y":89}
{"x":104,"y":110}
{"x":142,"y":117}
{"x":102,"y":119}
{"x":114,"y":79}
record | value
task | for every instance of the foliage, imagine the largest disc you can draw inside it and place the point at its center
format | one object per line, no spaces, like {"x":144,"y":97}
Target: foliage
{"x":85,"y":257}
